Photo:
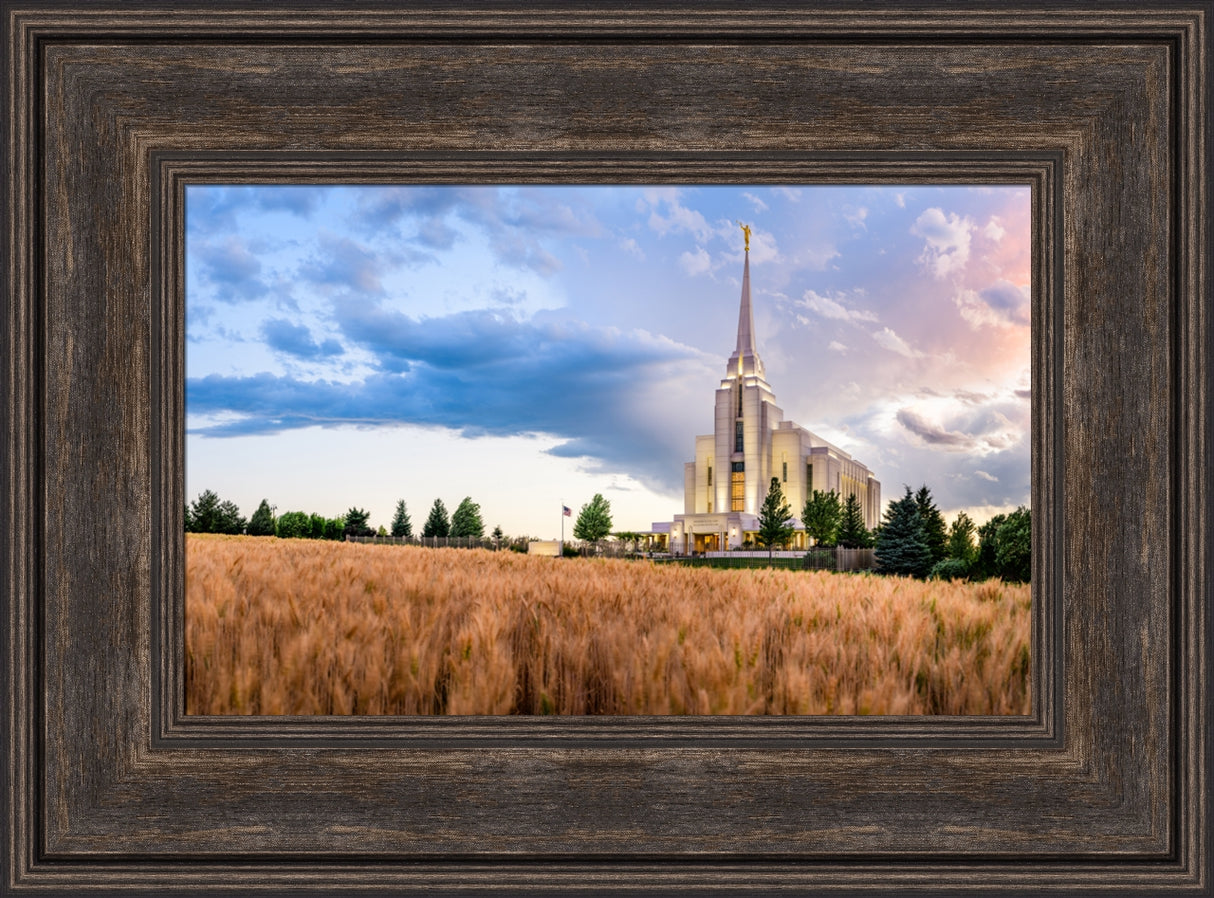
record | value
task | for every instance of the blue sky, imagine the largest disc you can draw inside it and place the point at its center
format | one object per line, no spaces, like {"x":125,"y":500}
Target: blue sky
{"x":531,"y":346}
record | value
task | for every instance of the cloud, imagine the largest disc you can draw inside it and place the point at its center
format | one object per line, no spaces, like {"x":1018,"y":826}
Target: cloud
{"x":695,"y":263}
{"x":994,"y":230}
{"x":343,"y":263}
{"x":985,"y":476}
{"x":833,"y":308}
{"x":887,"y":339}
{"x":998,"y":305}
{"x":231,"y":269}
{"x":759,"y":205}
{"x":837,"y":346}
{"x":855,"y":216}
{"x":947,"y":237}
{"x":479,"y":373}
{"x":296,"y":340}
{"x":933,"y":433}
{"x":631,"y":247}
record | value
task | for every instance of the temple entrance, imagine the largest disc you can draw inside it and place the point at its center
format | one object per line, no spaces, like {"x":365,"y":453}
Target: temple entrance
{"x":708,"y":542}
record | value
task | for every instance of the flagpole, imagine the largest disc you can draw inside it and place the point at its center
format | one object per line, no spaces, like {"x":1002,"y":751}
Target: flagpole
{"x":560,"y":547}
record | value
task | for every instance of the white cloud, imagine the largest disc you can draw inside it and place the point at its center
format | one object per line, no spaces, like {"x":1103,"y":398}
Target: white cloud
{"x":855,"y":216}
{"x":985,"y":476}
{"x":837,"y":346}
{"x":900,"y":199}
{"x":632,"y":247}
{"x":993,"y":230}
{"x":759,"y":205}
{"x":829,"y":307}
{"x":695,"y":263}
{"x":887,"y":339}
{"x":947,"y":237}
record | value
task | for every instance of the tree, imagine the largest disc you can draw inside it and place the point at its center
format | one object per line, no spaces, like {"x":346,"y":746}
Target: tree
{"x":934,"y":529}
{"x":852,"y":533}
{"x":356,"y":523}
{"x":437,"y":524}
{"x":209,"y":514}
{"x":594,"y":520}
{"x":901,"y":545}
{"x":820,"y":517}
{"x":775,"y":518}
{"x":466,"y":521}
{"x":961,"y":539}
{"x":498,"y":536}
{"x":1013,"y":546}
{"x":401,"y":524}
{"x":316,"y":526}
{"x":986,"y":565}
{"x":262,"y":522}
{"x":335,"y":528}
{"x":293,"y":525}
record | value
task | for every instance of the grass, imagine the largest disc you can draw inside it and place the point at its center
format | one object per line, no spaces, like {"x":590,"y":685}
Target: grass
{"x":308,"y":627}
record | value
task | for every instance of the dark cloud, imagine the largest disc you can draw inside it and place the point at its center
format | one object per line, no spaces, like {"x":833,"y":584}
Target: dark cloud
{"x":478,"y":373}
{"x":1007,"y":300}
{"x":933,"y":433}
{"x":296,"y":340}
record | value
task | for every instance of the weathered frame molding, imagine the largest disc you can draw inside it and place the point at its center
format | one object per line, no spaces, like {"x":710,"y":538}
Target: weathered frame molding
{"x":111,"y":110}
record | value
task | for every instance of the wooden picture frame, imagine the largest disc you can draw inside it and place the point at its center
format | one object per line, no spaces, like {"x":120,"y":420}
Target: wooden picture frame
{"x":110,"y":109}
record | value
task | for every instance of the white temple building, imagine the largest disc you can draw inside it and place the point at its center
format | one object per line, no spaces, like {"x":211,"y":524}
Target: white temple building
{"x":724,"y":487}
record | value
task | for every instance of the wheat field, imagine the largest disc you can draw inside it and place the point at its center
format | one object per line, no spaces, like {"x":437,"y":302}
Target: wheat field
{"x":309,"y":627}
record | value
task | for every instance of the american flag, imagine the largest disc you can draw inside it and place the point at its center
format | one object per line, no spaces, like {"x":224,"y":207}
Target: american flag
{"x":566,"y":512}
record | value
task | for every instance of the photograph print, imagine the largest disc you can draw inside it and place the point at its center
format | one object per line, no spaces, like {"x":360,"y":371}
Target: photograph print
{"x":569,"y":450}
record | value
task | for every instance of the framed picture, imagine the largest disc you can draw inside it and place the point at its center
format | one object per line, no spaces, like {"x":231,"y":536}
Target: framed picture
{"x":115,"y":112}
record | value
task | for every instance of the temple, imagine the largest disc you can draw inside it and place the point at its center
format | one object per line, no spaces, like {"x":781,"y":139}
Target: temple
{"x":724,"y":486}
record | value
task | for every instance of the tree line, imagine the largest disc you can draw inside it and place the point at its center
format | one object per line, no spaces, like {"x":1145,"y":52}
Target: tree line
{"x":210,"y":514}
{"x":912,"y":538}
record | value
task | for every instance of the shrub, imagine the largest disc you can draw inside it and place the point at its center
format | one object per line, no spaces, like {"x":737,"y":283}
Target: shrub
{"x":951,"y":569}
{"x":293,"y":525}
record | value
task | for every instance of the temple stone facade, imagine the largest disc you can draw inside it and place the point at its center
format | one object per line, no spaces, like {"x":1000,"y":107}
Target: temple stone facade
{"x":726,"y":483}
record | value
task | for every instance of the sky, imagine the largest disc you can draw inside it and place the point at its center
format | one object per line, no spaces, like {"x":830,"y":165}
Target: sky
{"x":530,"y":346}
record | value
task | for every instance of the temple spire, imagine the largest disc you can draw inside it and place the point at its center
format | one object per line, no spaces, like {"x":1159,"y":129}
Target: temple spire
{"x":745,"y":359}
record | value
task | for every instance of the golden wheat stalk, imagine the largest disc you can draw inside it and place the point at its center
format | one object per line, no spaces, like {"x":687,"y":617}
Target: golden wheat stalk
{"x":309,"y":627}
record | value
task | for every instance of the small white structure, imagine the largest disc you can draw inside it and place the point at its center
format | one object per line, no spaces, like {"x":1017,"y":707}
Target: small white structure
{"x":724,"y":487}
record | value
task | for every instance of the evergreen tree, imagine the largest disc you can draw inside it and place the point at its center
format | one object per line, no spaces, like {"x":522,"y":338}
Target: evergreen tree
{"x":594,"y":520}
{"x":775,"y":518}
{"x":821,"y":516}
{"x":466,"y":521}
{"x":902,"y":545}
{"x":497,"y":533}
{"x":262,"y":522}
{"x":961,"y":539}
{"x":935,"y":533}
{"x":437,"y":524}
{"x":356,"y":523}
{"x":852,"y":533}
{"x":210,"y":515}
{"x":401,"y":524}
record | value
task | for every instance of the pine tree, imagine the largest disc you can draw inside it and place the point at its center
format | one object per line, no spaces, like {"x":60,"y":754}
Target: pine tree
{"x":775,"y":518}
{"x":934,"y":530}
{"x":401,"y":524}
{"x":356,"y":523}
{"x":262,"y":522}
{"x":466,"y":521}
{"x":210,"y":515}
{"x":961,"y":539}
{"x":497,"y":533}
{"x":594,"y":520}
{"x":437,"y":524}
{"x":852,"y":533}
{"x":902,"y":545}
{"x":821,"y":517}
